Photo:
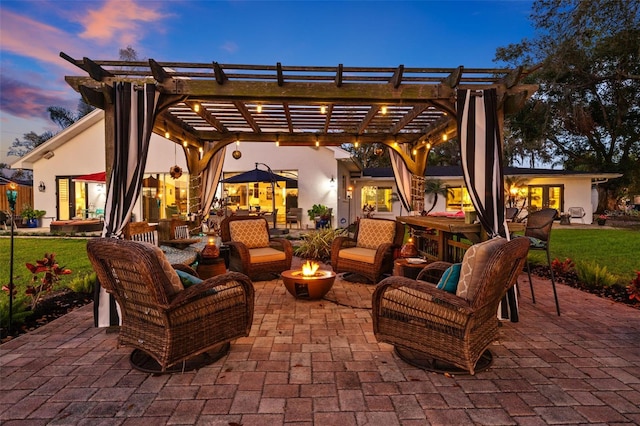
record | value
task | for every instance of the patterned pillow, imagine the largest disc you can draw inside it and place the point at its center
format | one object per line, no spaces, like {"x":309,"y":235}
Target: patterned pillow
{"x":372,"y":233}
{"x":175,"y":285}
{"x":473,"y":264}
{"x":251,"y":233}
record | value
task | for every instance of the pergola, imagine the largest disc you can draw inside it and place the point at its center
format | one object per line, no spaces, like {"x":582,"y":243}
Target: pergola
{"x":207,"y":106}
{"x":407,"y":109}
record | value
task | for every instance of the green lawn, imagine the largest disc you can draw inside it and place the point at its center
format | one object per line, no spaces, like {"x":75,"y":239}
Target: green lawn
{"x":617,"y":249}
{"x":70,"y":253}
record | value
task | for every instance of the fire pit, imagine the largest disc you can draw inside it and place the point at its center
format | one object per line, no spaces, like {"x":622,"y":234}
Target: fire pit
{"x":308,"y":282}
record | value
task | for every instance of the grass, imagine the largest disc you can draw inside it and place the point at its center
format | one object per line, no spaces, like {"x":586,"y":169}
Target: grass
{"x":70,"y":253}
{"x":617,"y":249}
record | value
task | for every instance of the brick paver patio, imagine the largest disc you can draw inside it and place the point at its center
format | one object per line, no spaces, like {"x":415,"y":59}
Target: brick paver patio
{"x":317,"y":362}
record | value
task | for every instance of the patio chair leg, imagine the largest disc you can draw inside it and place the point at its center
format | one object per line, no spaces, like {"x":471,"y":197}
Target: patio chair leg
{"x":533,"y":296}
{"x":553,"y":283}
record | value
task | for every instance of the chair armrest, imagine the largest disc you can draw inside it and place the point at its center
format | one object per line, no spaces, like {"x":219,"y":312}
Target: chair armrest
{"x":338,"y":244}
{"x":381,"y":251}
{"x":421,"y":297}
{"x":220,"y":284}
{"x":284,"y":244}
{"x":433,"y":271}
{"x":184,"y":268}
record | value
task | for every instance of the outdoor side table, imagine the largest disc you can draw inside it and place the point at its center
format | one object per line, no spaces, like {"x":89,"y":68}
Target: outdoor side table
{"x":212,"y":268}
{"x":403,"y":268}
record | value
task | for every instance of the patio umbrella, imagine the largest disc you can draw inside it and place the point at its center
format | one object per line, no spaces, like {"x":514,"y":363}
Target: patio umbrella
{"x":100,"y":177}
{"x":257,"y":175}
{"x":481,"y":154}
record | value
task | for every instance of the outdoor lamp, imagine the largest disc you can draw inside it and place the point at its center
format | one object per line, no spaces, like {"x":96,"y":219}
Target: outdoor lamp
{"x":408,"y":249}
{"x":12,"y":195}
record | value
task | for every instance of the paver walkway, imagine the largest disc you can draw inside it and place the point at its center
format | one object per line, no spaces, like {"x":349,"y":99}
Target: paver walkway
{"x":318,"y":363}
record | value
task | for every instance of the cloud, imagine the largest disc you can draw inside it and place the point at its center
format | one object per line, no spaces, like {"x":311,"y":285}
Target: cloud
{"x":122,"y":21}
{"x":33,"y":39}
{"x":26,"y":101}
{"x":230,"y":47}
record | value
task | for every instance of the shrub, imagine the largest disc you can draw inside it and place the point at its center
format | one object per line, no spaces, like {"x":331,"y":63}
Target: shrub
{"x":634,"y":288}
{"x":83,"y":284}
{"x":317,"y":244}
{"x":594,"y":275}
{"x":52,"y":272}
{"x":19,"y":312}
{"x":562,"y":268}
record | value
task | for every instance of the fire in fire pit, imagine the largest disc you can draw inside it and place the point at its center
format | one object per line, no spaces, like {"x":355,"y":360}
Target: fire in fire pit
{"x":310,"y":282}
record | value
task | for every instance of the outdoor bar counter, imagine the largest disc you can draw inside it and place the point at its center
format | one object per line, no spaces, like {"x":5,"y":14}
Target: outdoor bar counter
{"x":446,"y":238}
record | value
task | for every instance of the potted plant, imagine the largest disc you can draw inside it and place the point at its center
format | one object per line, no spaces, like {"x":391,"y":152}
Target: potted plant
{"x":320,"y":214}
{"x":32,"y":216}
{"x":602,"y":219}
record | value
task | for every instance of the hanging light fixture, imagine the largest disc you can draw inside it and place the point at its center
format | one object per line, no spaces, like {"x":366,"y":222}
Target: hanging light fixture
{"x":175,"y":171}
{"x":236,"y":154}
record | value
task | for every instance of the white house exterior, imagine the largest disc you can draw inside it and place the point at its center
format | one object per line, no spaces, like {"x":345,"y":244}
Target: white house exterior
{"x":324,"y":175}
{"x":79,"y":150}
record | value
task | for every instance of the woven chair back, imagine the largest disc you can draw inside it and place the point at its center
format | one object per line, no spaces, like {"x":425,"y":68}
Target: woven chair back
{"x":539,"y":224}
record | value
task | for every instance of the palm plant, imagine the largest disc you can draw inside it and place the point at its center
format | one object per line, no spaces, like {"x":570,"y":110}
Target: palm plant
{"x":435,"y":187}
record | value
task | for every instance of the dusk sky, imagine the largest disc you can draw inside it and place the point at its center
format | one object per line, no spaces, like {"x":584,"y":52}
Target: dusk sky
{"x":322,"y":33}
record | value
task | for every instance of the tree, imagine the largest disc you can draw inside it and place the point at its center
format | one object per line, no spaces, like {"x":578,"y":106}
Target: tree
{"x":435,"y":187}
{"x":586,"y":112}
{"x":369,"y":155}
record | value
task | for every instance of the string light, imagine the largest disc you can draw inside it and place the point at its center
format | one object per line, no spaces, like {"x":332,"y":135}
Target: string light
{"x":167,"y":135}
{"x":259,"y":108}
{"x":323,"y":109}
{"x":356,"y":144}
{"x":184,"y":143}
{"x":428,"y":146}
{"x":445,"y":137}
{"x":384,"y":109}
{"x":277,"y":140}
{"x":415,"y":151}
{"x":196,"y":107}
{"x":317,"y":141}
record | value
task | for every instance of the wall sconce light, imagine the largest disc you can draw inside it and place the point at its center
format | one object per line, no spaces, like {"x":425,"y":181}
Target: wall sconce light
{"x":42,"y":187}
{"x":332,"y":182}
{"x":49,"y":154}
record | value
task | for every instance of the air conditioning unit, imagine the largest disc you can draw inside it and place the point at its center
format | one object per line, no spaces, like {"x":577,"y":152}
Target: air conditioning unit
{"x":48,"y":154}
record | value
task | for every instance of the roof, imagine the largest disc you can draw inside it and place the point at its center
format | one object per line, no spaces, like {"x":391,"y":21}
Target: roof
{"x":456,"y":172}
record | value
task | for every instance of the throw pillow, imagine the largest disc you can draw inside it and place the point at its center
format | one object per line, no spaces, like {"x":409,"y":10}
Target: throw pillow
{"x":449,"y":280}
{"x":187,"y":279}
{"x":252,"y":232}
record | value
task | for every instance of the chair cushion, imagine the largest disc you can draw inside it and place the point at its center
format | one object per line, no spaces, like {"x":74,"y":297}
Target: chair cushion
{"x":449,"y":280}
{"x":252,"y":233}
{"x":473,"y":265}
{"x":372,"y":233}
{"x":266,"y":254}
{"x":537,"y":243}
{"x":359,"y":254}
{"x":187,"y":279}
{"x":175,"y":285}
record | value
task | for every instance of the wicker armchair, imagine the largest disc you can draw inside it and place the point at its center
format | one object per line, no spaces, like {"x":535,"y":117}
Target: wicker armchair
{"x":428,"y":325}
{"x":252,"y":251}
{"x":370,"y":252}
{"x":160,"y":317}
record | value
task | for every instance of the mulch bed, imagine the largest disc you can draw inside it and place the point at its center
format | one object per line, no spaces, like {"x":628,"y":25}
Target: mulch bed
{"x":617,"y":293}
{"x":51,"y":307}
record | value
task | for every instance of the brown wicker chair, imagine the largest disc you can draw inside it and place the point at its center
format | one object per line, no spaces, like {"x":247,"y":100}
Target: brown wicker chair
{"x":160,"y":318}
{"x":370,"y":252}
{"x":538,"y":230}
{"x":252,"y":251}
{"x":428,"y":326}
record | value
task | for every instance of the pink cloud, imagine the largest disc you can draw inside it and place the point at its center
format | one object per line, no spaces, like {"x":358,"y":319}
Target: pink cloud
{"x":118,"y":20}
{"x":23,"y":100}
{"x":25,"y":37}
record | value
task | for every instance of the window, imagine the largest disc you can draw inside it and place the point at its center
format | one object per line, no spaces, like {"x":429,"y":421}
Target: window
{"x":458,"y":199}
{"x":541,"y":196}
{"x":164,"y":197}
{"x":380,"y":197}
